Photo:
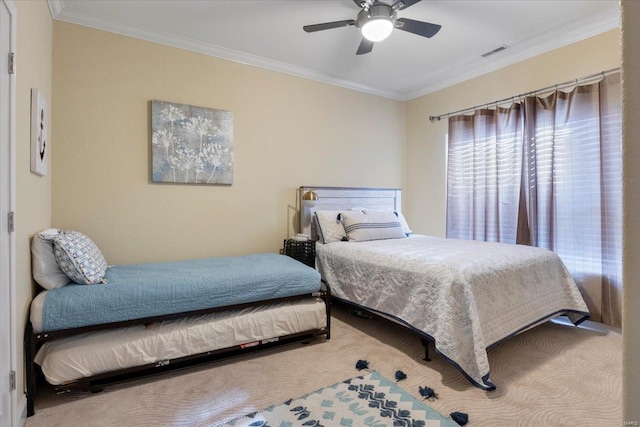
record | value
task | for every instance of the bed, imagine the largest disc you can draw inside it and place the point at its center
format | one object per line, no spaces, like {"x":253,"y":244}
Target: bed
{"x":464,"y":296}
{"x":93,"y":325}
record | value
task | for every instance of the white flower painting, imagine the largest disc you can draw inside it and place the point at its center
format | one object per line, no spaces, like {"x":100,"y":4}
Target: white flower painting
{"x":191,"y":144}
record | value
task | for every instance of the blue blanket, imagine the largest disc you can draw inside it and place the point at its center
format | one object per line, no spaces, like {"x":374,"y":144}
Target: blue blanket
{"x":145,"y":290}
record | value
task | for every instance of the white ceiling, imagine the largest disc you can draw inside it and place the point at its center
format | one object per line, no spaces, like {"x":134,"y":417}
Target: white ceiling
{"x":268,"y":34}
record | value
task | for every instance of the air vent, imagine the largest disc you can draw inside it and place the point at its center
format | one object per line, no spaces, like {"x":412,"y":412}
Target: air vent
{"x":496,"y":50}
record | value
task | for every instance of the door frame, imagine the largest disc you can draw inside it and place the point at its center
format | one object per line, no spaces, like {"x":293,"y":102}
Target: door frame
{"x":14,"y":415}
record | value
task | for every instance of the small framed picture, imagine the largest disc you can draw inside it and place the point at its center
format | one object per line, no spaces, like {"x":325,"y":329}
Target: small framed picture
{"x":39,"y":134}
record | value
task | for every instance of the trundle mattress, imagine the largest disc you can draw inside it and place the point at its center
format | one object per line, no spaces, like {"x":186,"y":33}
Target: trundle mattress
{"x":68,"y":359}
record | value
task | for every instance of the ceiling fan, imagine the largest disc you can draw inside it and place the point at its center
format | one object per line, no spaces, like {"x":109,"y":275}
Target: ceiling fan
{"x":376,"y":20}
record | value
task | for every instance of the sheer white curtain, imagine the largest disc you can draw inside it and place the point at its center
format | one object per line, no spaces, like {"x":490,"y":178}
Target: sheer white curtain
{"x":564,"y":192}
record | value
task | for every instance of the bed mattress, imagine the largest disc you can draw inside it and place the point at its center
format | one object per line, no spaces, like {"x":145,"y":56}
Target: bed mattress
{"x":80,"y":356}
{"x":465,"y":295}
{"x":155,"y":289}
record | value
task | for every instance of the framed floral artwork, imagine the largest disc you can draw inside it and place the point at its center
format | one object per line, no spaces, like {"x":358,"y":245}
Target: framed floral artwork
{"x":190,"y":144}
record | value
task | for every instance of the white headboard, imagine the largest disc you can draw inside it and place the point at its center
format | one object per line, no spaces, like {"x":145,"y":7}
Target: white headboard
{"x":343,"y":198}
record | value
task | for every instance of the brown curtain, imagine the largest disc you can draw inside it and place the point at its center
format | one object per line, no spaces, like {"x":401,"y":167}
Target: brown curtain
{"x":563,"y":193}
{"x":483,"y":180}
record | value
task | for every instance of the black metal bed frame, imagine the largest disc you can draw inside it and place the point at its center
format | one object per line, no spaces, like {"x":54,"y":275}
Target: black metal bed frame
{"x":34,"y":340}
{"x":358,"y":310}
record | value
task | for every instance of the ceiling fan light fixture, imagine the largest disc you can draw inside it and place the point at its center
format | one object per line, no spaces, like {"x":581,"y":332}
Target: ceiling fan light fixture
{"x":377,"y":29}
{"x":376,"y":23}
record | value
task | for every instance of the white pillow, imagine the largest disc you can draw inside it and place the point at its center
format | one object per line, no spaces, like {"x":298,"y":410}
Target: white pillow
{"x":403,"y":221}
{"x":330,"y":228}
{"x":361,"y":227}
{"x":79,"y":258}
{"x":316,"y":233}
{"x":46,"y":271}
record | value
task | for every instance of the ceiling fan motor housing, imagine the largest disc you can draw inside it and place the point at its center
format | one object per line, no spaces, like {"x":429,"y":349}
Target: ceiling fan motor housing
{"x":377,"y":10}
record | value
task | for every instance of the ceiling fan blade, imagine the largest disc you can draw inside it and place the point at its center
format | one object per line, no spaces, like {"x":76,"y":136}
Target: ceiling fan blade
{"x":407,"y":3}
{"x":365,"y":46}
{"x":360,"y":3}
{"x":328,"y":25}
{"x":424,"y":29}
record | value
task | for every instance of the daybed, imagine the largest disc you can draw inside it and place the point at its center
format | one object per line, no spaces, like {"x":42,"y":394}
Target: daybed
{"x":465,"y":296}
{"x":139,"y":319}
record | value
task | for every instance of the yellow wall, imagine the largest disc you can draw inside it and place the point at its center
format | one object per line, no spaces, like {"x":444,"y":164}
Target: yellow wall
{"x":424,"y":197}
{"x":33,"y":198}
{"x":631,"y":225}
{"x":288,"y":132}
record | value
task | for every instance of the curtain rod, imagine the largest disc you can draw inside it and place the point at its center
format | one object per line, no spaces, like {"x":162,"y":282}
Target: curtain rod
{"x":532,"y":93}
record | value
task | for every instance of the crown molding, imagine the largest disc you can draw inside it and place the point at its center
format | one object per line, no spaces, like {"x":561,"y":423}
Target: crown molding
{"x":60,"y":14}
{"x":542,"y":45}
{"x":55,"y":7}
{"x":443,"y":79}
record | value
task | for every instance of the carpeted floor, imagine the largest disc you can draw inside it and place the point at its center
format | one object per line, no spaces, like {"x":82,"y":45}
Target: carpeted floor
{"x":553,"y":375}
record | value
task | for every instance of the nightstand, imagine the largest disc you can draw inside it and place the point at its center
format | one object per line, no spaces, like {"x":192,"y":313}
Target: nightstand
{"x":301,"y":250}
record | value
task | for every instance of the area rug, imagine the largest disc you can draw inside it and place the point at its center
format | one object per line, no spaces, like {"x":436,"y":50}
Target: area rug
{"x":370,"y":400}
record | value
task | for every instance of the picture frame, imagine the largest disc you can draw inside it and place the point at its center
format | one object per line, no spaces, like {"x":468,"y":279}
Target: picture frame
{"x":191,"y":144}
{"x":39,"y":134}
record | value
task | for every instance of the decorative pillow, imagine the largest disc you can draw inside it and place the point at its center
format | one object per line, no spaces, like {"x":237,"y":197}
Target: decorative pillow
{"x":316,"y":233}
{"x":372,"y":226}
{"x":79,"y":258}
{"x":330,"y":228}
{"x":403,"y":221}
{"x":46,"y":271}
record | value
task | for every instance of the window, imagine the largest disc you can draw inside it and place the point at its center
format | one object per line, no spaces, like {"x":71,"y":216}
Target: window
{"x":546,"y":172}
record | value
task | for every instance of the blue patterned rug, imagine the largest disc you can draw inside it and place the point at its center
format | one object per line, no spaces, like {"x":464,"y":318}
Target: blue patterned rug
{"x":371,"y":401}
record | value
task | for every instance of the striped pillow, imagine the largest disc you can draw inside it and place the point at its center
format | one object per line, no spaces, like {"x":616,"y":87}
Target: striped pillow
{"x":361,"y":227}
{"x":403,"y":221}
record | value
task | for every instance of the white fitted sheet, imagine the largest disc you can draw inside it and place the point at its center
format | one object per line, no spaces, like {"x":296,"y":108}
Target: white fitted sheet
{"x":69,"y":359}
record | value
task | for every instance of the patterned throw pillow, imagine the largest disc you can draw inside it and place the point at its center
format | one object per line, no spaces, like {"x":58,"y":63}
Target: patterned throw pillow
{"x":79,"y":258}
{"x":361,"y":227}
{"x":330,"y":228}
